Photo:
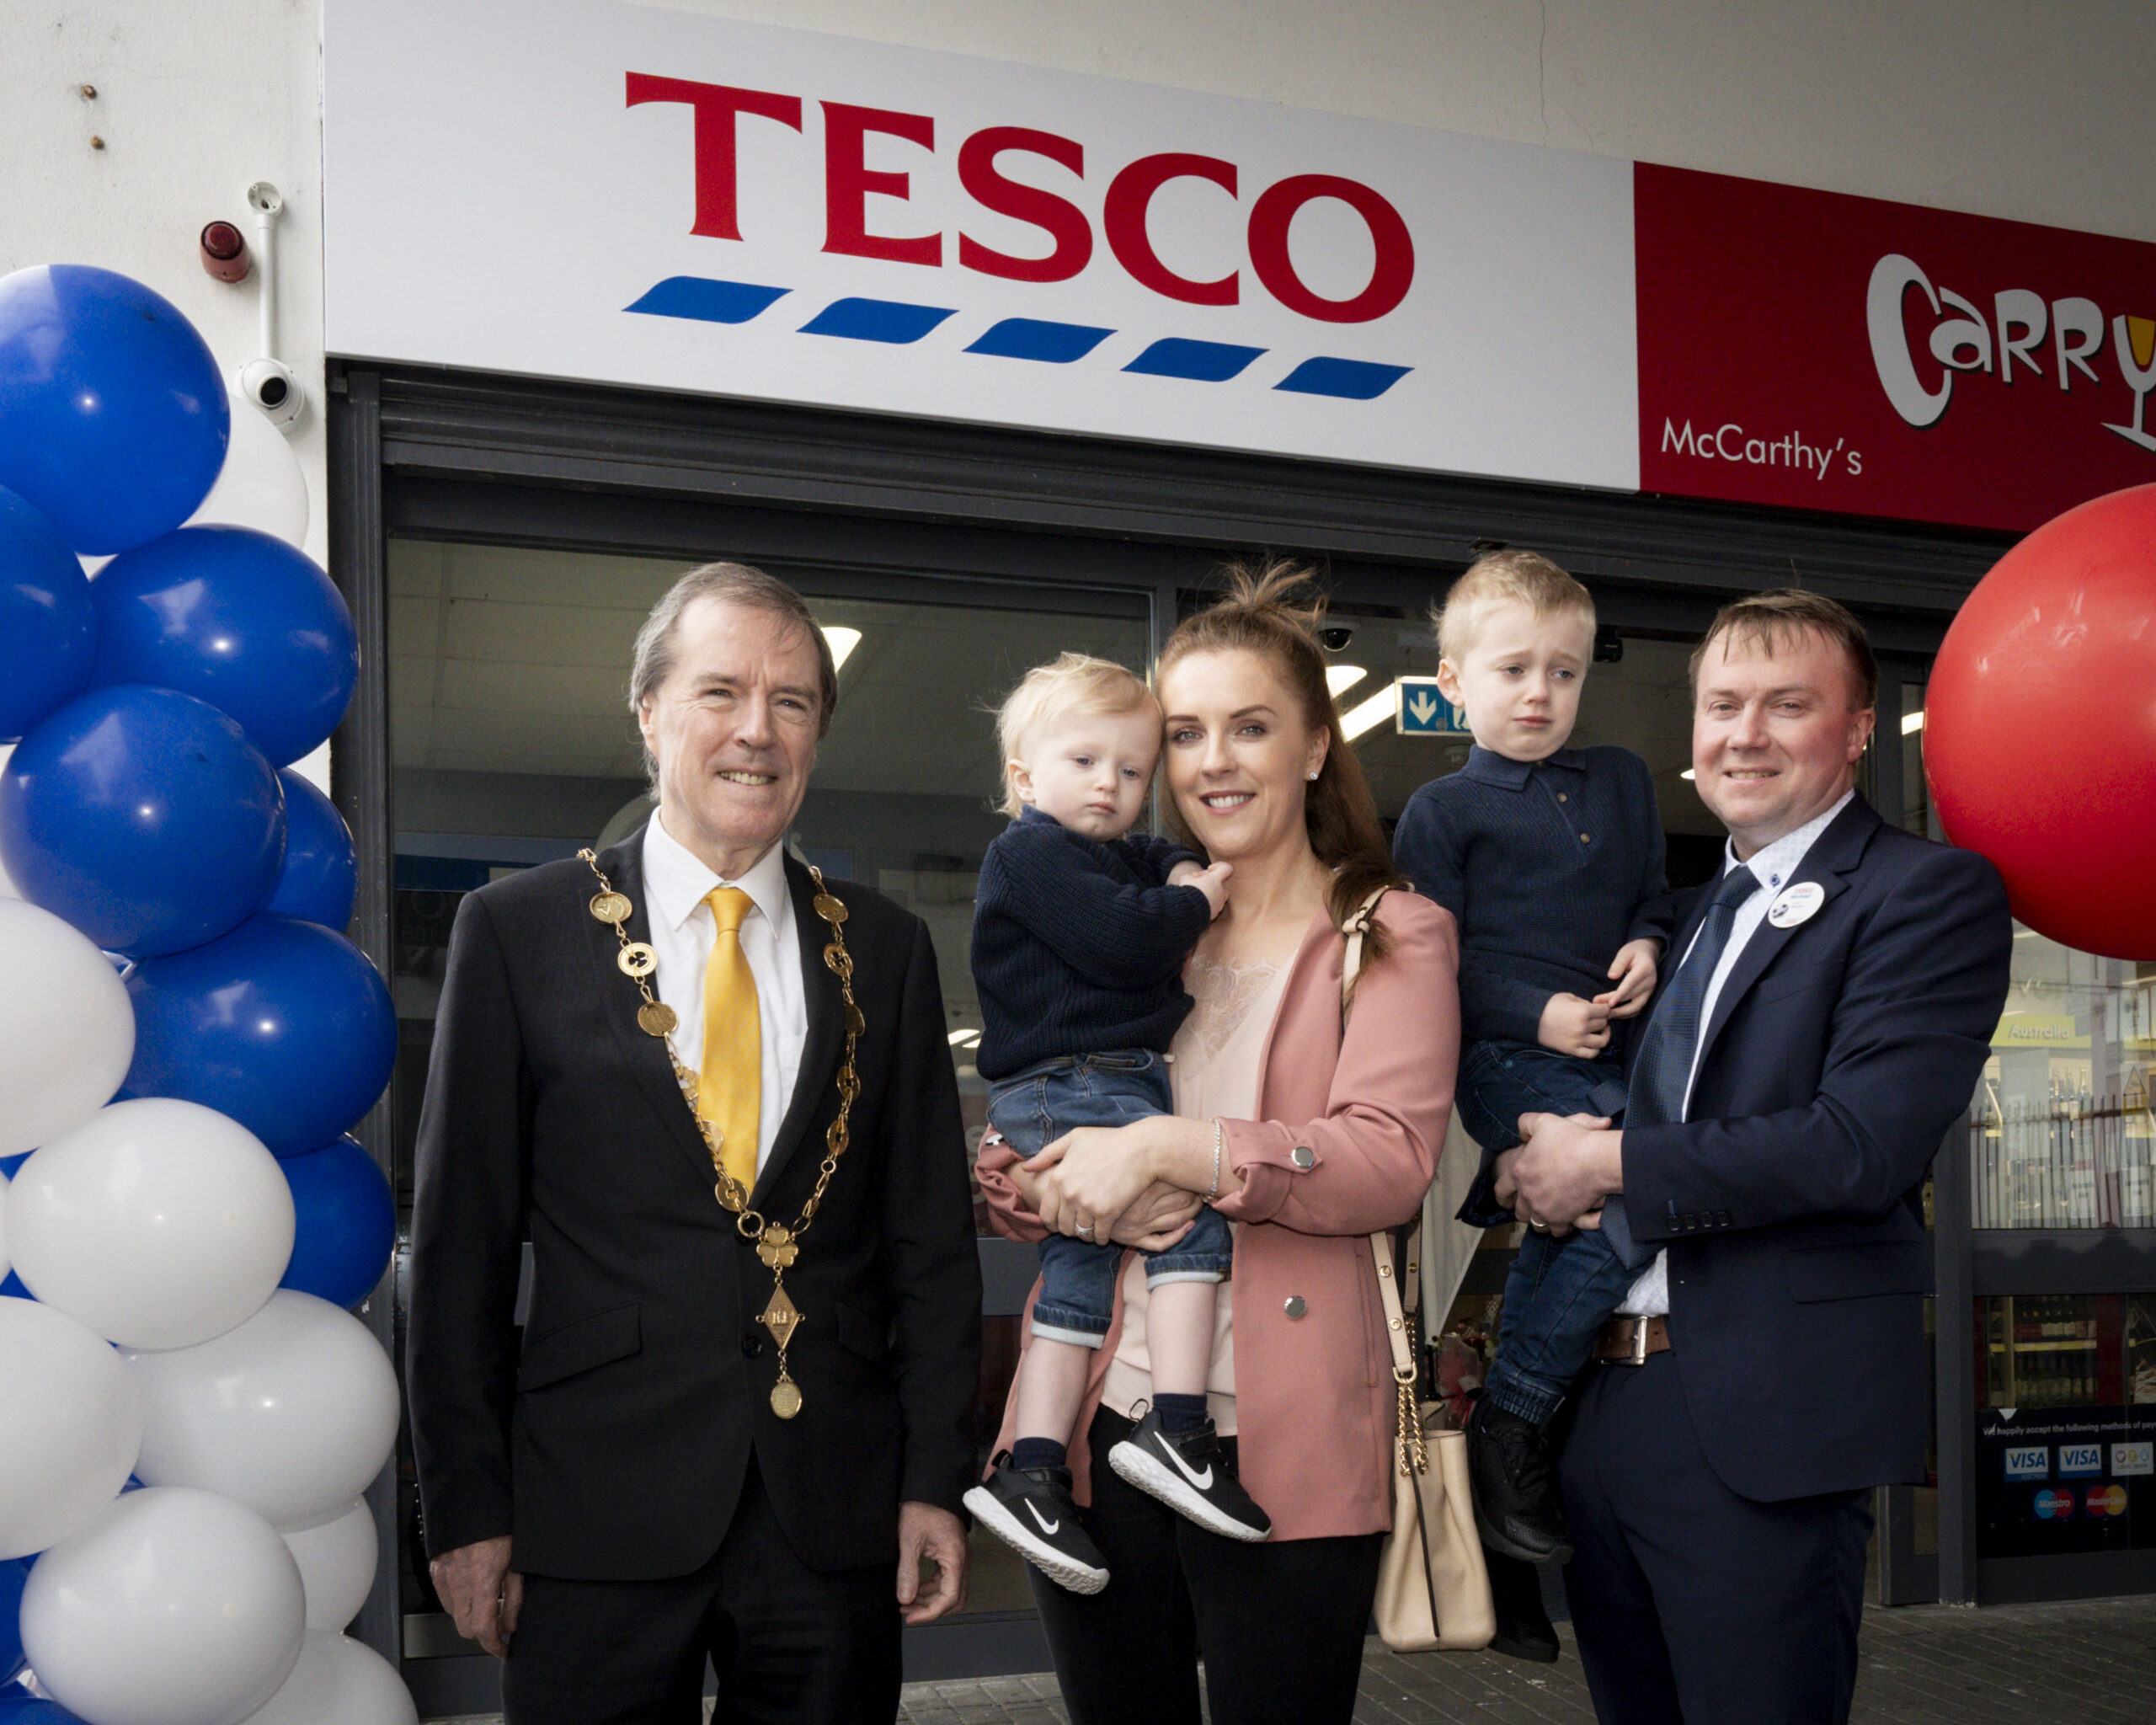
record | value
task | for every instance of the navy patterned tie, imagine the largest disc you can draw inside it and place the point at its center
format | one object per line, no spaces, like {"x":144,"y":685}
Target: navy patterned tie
{"x":1662,"y":1071}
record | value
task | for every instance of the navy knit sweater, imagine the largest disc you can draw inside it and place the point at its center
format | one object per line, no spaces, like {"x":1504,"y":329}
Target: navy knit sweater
{"x":1078,"y":946}
{"x":1549,"y":866}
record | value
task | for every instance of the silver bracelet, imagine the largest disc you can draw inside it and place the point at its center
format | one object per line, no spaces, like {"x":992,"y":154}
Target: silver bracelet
{"x":1219,"y":1137}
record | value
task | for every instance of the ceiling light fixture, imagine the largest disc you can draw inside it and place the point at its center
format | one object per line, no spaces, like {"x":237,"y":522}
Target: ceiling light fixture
{"x":842,"y":641}
{"x":1688,"y":775}
{"x":964,"y":1038}
{"x":1339,"y":679}
{"x":1368,"y":714}
{"x":1912,"y":723}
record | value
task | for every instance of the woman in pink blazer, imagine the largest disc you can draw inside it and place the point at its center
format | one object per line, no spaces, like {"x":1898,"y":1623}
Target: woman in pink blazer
{"x":1307,"y":1139}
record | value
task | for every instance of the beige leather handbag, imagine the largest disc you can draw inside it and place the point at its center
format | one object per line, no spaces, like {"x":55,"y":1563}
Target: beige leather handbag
{"x":1433,"y":1589}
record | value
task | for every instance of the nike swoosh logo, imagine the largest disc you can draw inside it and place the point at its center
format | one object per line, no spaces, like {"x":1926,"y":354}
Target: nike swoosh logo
{"x":1041,"y":1520}
{"x":1204,"y":1481}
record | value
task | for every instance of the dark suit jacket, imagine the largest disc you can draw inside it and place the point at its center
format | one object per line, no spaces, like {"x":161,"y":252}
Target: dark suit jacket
{"x":1840,"y":1051}
{"x":613,"y":1443}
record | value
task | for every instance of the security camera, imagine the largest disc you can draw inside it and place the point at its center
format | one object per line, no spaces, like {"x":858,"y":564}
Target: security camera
{"x":272,"y":385}
{"x":1337,"y":636}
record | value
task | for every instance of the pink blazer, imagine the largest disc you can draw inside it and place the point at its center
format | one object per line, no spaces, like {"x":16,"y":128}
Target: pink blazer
{"x":1315,"y":1399}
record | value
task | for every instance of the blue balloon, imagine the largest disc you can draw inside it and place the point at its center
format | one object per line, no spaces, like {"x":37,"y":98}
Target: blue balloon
{"x":113,"y":419}
{"x":283,"y":1025}
{"x":347,"y":1223}
{"x":48,"y":636}
{"x":19,"y":1706}
{"x":322,"y":874}
{"x":13,"y":1572}
{"x":238,"y":619}
{"x":144,"y":817}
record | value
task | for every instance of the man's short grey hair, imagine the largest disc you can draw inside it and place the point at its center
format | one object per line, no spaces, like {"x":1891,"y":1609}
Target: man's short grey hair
{"x":733,"y":583}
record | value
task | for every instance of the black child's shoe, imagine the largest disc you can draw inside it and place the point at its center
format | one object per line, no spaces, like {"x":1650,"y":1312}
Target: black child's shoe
{"x":1031,"y":1512}
{"x":1189,"y":1472}
{"x":1515,"y":1496}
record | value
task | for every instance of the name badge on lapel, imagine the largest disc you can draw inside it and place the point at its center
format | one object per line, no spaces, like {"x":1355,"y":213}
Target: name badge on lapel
{"x":1799,"y":903}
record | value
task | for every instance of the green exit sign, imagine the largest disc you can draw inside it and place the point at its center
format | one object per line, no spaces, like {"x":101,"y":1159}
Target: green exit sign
{"x":1422,"y":712}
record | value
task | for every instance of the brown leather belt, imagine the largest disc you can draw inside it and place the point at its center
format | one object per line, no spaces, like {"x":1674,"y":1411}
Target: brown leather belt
{"x":1628,"y":1341}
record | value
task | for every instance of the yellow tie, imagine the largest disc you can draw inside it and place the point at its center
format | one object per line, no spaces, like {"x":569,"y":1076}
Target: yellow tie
{"x":730,"y":1083}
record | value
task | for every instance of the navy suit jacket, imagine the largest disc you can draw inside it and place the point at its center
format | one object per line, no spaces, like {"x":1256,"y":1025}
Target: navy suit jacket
{"x":1840,"y":1051}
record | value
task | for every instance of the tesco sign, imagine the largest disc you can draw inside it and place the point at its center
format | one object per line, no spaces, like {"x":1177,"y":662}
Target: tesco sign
{"x":634,"y":195}
{"x":849,"y":183}
{"x":683,"y":202}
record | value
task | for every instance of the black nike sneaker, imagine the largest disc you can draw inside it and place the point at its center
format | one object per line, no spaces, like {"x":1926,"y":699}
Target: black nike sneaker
{"x":1515,"y":1494}
{"x":1031,"y":1511}
{"x":1189,"y":1472}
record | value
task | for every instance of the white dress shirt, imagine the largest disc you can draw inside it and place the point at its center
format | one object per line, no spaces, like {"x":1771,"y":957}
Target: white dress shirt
{"x":1776,"y":865}
{"x":682,"y":931}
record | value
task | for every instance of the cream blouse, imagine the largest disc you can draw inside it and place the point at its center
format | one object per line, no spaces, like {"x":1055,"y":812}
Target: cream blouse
{"x":1215,"y":1072}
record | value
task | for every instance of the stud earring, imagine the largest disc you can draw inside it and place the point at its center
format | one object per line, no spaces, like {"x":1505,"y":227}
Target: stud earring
{"x":1311,"y":774}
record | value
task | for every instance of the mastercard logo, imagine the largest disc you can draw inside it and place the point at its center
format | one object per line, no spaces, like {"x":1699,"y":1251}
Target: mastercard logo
{"x":2054,"y":1505}
{"x":2106,"y":1500}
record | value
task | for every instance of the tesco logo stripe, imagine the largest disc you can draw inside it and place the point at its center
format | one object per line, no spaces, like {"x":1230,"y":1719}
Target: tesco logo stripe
{"x":900,"y":323}
{"x":706,"y":301}
{"x":1201,"y":361}
{"x":1036,"y":338}
{"x":1351,"y":380}
{"x":891,"y":320}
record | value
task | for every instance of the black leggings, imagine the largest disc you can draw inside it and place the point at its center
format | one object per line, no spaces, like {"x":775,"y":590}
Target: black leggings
{"x":1279,"y":1626}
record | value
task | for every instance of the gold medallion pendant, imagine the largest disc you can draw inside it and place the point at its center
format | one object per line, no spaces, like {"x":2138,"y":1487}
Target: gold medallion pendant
{"x":777,"y":1245}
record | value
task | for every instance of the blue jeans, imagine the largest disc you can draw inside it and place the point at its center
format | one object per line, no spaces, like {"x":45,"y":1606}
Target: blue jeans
{"x":1032,"y":1109}
{"x":1559,"y":1291}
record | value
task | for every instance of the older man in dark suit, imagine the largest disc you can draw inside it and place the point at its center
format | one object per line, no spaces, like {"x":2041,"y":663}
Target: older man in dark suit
{"x":718,"y":1095}
{"x":1826,"y":1010}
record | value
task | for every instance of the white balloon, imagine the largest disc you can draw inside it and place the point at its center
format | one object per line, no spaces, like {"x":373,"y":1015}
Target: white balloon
{"x":66,"y":1028}
{"x":173,"y":1607}
{"x":261,"y":484}
{"x":159,"y":1223}
{"x":340,"y":1682}
{"x":71,"y":1424}
{"x":293,"y":1413}
{"x":336,"y":1558}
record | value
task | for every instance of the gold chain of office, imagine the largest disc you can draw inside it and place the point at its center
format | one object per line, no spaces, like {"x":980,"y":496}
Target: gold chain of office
{"x":776,"y":1244}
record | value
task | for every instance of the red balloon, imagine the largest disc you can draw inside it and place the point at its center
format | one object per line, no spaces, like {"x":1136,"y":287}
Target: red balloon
{"x":2040,"y":725}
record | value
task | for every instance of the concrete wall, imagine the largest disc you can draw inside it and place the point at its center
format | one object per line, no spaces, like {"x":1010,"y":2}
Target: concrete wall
{"x":195,"y":101}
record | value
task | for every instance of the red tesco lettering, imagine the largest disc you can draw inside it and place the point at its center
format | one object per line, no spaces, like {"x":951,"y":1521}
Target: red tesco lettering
{"x":849,"y":183}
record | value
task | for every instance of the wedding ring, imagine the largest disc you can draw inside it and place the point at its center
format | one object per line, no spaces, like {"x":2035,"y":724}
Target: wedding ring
{"x":1086,"y":1233}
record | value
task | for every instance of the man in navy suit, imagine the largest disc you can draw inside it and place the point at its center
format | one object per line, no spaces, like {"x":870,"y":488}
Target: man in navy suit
{"x":1827,"y":1008}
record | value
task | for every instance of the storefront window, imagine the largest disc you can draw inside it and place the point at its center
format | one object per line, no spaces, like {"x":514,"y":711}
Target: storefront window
{"x":2060,"y":1134}
{"x":2066,"y":1432}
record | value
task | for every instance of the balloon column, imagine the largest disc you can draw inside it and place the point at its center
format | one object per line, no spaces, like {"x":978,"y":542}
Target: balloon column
{"x":189,"y":1414}
{"x":2040,"y":725}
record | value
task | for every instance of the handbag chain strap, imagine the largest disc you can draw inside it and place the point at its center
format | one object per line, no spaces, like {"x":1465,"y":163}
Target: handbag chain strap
{"x":1411,"y":1445}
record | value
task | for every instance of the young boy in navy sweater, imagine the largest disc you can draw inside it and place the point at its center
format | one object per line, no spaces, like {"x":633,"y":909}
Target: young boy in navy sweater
{"x":1080,"y":935}
{"x":1551,"y":859}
